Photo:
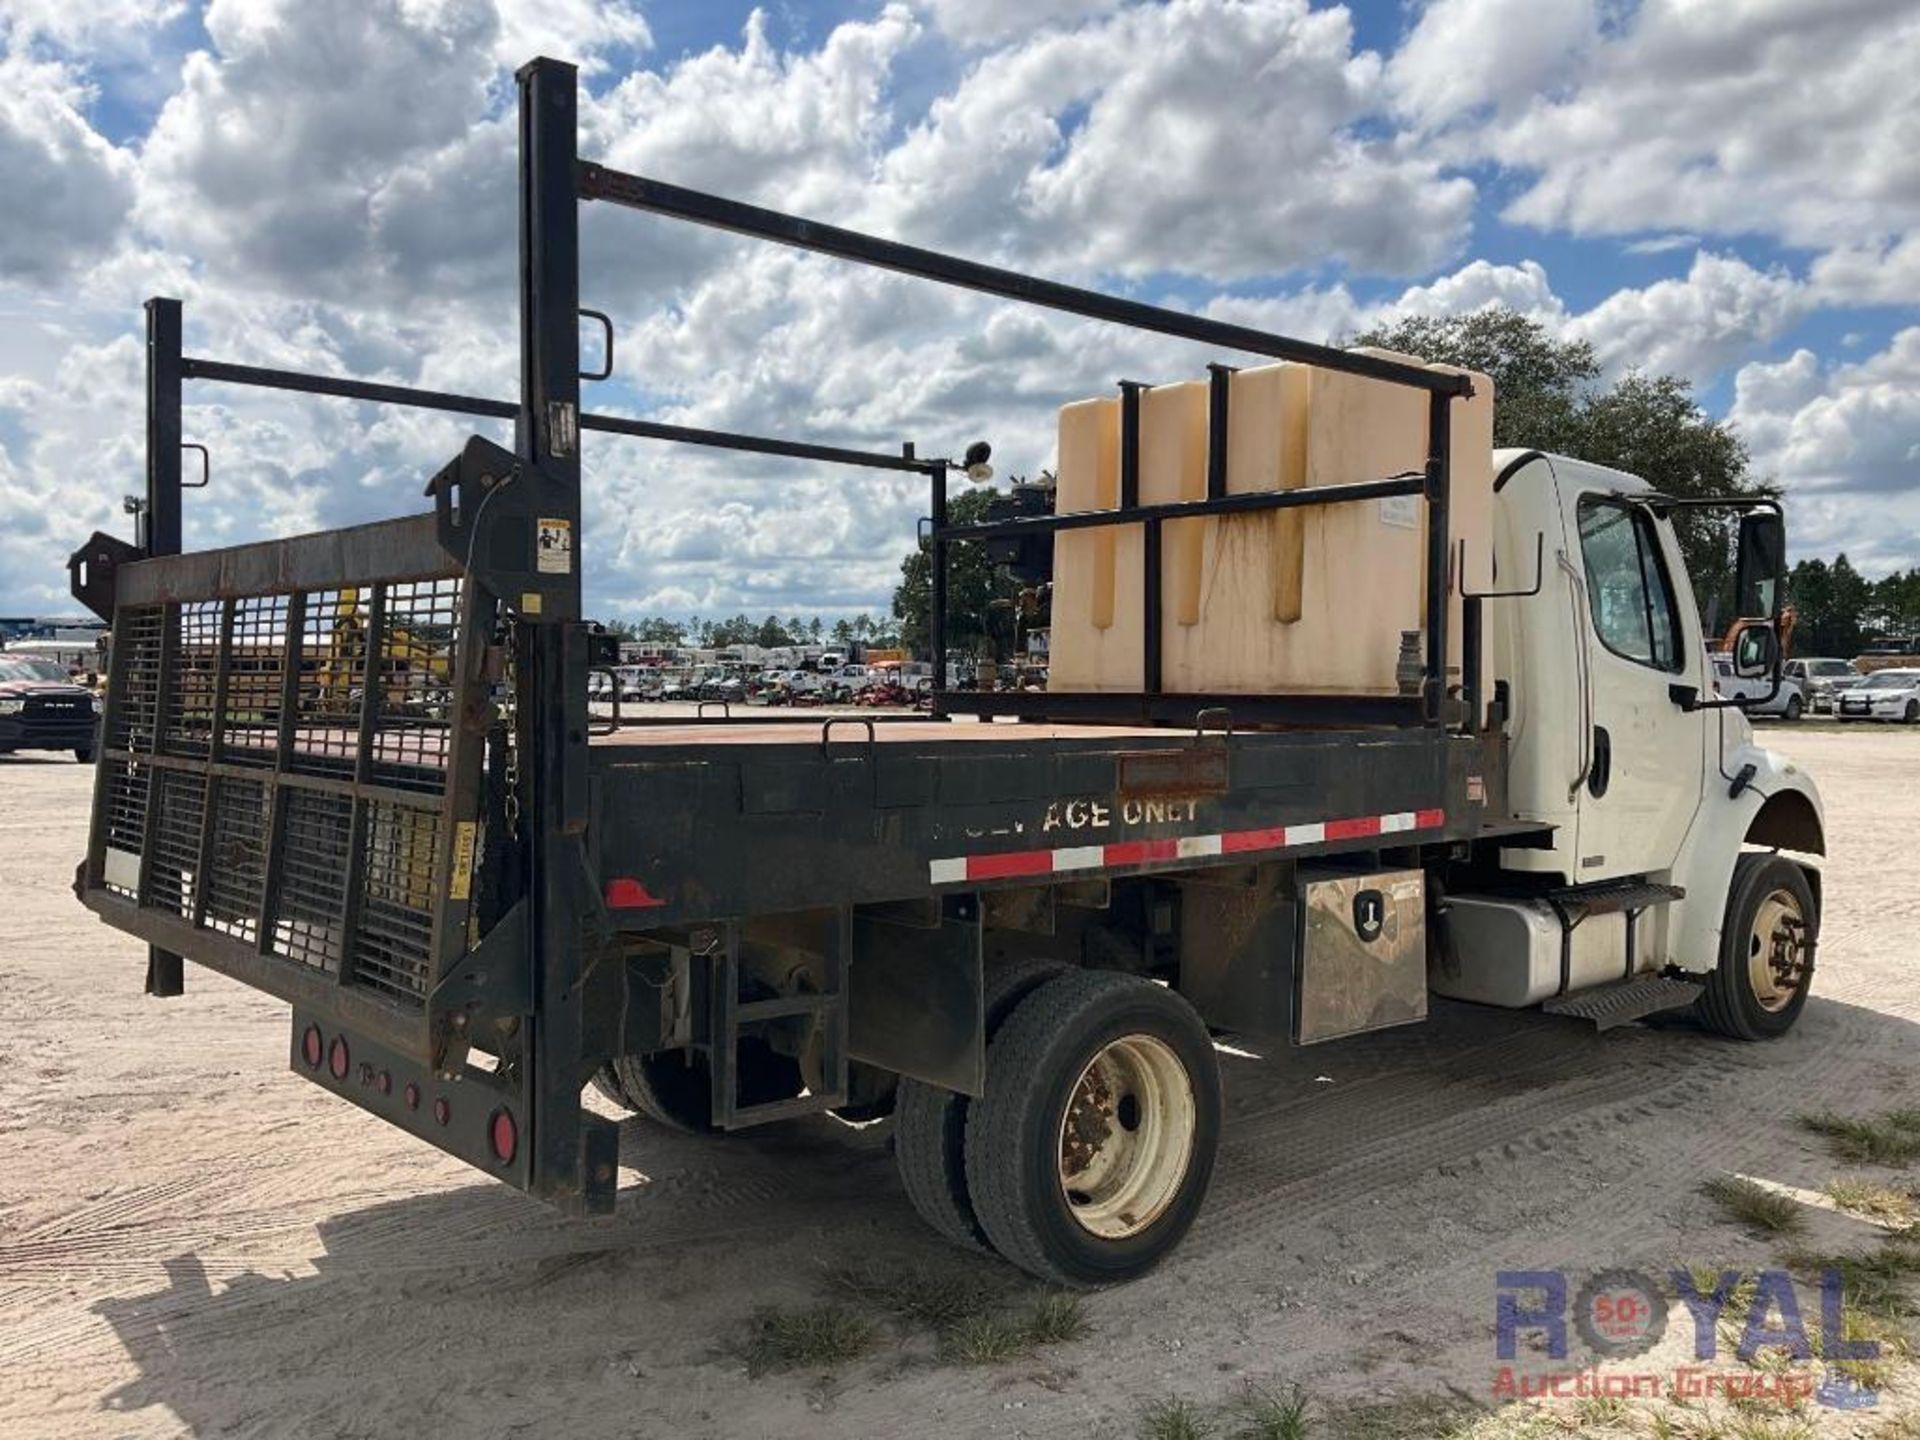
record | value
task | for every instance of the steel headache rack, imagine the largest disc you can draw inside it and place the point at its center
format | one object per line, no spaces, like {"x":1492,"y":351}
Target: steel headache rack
{"x":356,"y":769}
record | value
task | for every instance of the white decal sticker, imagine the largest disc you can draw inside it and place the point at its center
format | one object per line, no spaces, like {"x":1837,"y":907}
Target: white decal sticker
{"x":1402,"y":511}
{"x":553,"y":554}
{"x":121,"y":868}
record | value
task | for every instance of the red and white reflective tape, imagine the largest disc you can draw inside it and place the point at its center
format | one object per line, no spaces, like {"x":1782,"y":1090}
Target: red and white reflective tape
{"x":1118,"y":854}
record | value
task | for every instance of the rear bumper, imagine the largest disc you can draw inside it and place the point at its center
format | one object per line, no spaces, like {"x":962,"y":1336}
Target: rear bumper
{"x":487,"y":1118}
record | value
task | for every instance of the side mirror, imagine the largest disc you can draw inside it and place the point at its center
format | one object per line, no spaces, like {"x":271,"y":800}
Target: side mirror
{"x":1762,"y":566}
{"x":1754,"y":651}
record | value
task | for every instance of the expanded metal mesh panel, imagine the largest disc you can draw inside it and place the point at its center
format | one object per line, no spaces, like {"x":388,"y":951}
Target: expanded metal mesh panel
{"x":392,"y":944}
{"x":333,"y":679}
{"x":304,"y":743}
{"x":309,"y":907}
{"x":123,"y":819}
{"x":416,"y":701}
{"x":192,"y":677}
{"x":134,"y":697}
{"x":173,"y":848}
{"x":256,"y":674}
{"x":237,"y":863}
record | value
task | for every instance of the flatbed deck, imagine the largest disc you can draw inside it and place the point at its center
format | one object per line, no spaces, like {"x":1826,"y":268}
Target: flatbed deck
{"x":849,"y":727}
{"x":703,"y":822}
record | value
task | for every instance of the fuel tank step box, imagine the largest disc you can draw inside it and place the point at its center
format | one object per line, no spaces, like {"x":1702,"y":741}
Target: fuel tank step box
{"x":1517,"y":952}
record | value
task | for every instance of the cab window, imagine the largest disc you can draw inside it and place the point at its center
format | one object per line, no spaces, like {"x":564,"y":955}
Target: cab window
{"x":1628,"y":590}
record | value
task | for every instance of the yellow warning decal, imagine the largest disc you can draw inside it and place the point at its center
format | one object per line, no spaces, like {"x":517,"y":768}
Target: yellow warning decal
{"x":460,"y":884}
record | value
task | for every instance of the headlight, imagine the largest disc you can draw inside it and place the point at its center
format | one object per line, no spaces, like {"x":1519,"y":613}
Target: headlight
{"x":98,"y":708}
{"x":12,"y":707}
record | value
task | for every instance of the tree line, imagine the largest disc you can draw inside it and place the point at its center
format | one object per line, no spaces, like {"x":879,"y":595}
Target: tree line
{"x":1840,"y":612}
{"x":771,"y":633}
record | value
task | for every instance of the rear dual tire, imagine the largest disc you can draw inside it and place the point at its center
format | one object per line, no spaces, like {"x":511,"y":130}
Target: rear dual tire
{"x":1089,"y":1155}
{"x":930,"y":1122}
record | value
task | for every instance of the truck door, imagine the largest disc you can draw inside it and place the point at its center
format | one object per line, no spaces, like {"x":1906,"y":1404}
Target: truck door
{"x":1646,"y":754}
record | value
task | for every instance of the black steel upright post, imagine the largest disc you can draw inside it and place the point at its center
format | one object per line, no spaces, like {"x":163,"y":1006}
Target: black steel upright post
{"x":1219,"y":387}
{"x":937,"y":555}
{"x":553,"y":678}
{"x":1439,"y":550}
{"x":1130,"y":443}
{"x":165,"y":970}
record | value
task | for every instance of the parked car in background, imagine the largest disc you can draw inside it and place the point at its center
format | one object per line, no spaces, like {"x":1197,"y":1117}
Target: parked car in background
{"x":1788,"y":702}
{"x":41,"y":709}
{"x":1884,"y":695}
{"x":1823,"y":681}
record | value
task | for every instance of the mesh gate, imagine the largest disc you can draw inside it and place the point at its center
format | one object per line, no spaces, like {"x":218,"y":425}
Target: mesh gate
{"x":284,"y":780}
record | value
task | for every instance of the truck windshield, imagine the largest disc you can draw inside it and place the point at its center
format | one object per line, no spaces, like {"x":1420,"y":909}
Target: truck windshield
{"x":31,"y":670}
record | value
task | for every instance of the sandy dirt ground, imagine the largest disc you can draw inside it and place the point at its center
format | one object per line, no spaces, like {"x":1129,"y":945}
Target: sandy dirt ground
{"x":195,"y":1241}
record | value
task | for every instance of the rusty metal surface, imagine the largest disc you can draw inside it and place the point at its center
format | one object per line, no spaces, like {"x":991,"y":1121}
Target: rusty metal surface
{"x":387,"y":550}
{"x":1202,"y":769}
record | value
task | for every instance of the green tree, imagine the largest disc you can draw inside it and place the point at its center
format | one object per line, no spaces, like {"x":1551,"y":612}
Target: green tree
{"x":1538,"y":381}
{"x":1895,"y":607}
{"x":980,"y":594}
{"x":660,"y":630}
{"x":1548,"y":395}
{"x":1818,"y":627}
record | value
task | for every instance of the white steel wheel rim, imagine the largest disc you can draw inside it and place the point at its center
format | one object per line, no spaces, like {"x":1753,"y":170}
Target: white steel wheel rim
{"x":1776,"y":951}
{"x":1126,"y":1138}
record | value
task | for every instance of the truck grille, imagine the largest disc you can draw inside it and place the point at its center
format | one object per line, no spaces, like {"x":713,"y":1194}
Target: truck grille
{"x":76,"y":709}
{"x":283,"y":773}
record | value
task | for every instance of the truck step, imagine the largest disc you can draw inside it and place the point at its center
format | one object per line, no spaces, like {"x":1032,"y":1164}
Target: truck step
{"x":1625,"y":1001}
{"x":1577,"y":902}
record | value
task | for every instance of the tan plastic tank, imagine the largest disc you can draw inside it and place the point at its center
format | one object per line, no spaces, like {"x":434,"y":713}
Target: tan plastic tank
{"x":1295,"y":601}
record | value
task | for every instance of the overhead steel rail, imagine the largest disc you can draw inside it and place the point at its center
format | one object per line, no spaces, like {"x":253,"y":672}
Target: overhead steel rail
{"x":1152,"y":704}
{"x":567,"y":182}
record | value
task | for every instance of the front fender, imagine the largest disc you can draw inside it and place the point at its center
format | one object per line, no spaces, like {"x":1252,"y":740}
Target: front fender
{"x":1777,"y":808}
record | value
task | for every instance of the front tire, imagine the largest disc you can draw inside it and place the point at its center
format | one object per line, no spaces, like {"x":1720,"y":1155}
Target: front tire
{"x":1090,"y":1153}
{"x":84,"y":754}
{"x":1912,"y":713}
{"x":1760,"y":985}
{"x":1794,"y":707}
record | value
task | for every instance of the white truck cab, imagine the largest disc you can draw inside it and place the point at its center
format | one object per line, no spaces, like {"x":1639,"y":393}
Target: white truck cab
{"x":1668,"y":818}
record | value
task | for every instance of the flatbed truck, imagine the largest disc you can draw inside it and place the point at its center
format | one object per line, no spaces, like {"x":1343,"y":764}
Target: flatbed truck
{"x":1017,"y":924}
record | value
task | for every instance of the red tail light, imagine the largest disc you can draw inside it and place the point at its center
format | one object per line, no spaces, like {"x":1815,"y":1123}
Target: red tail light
{"x":338,"y":1060}
{"x":504,"y":1135}
{"x":312,"y":1047}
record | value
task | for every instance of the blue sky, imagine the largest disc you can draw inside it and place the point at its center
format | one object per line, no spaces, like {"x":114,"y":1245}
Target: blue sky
{"x":1728,"y":192}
